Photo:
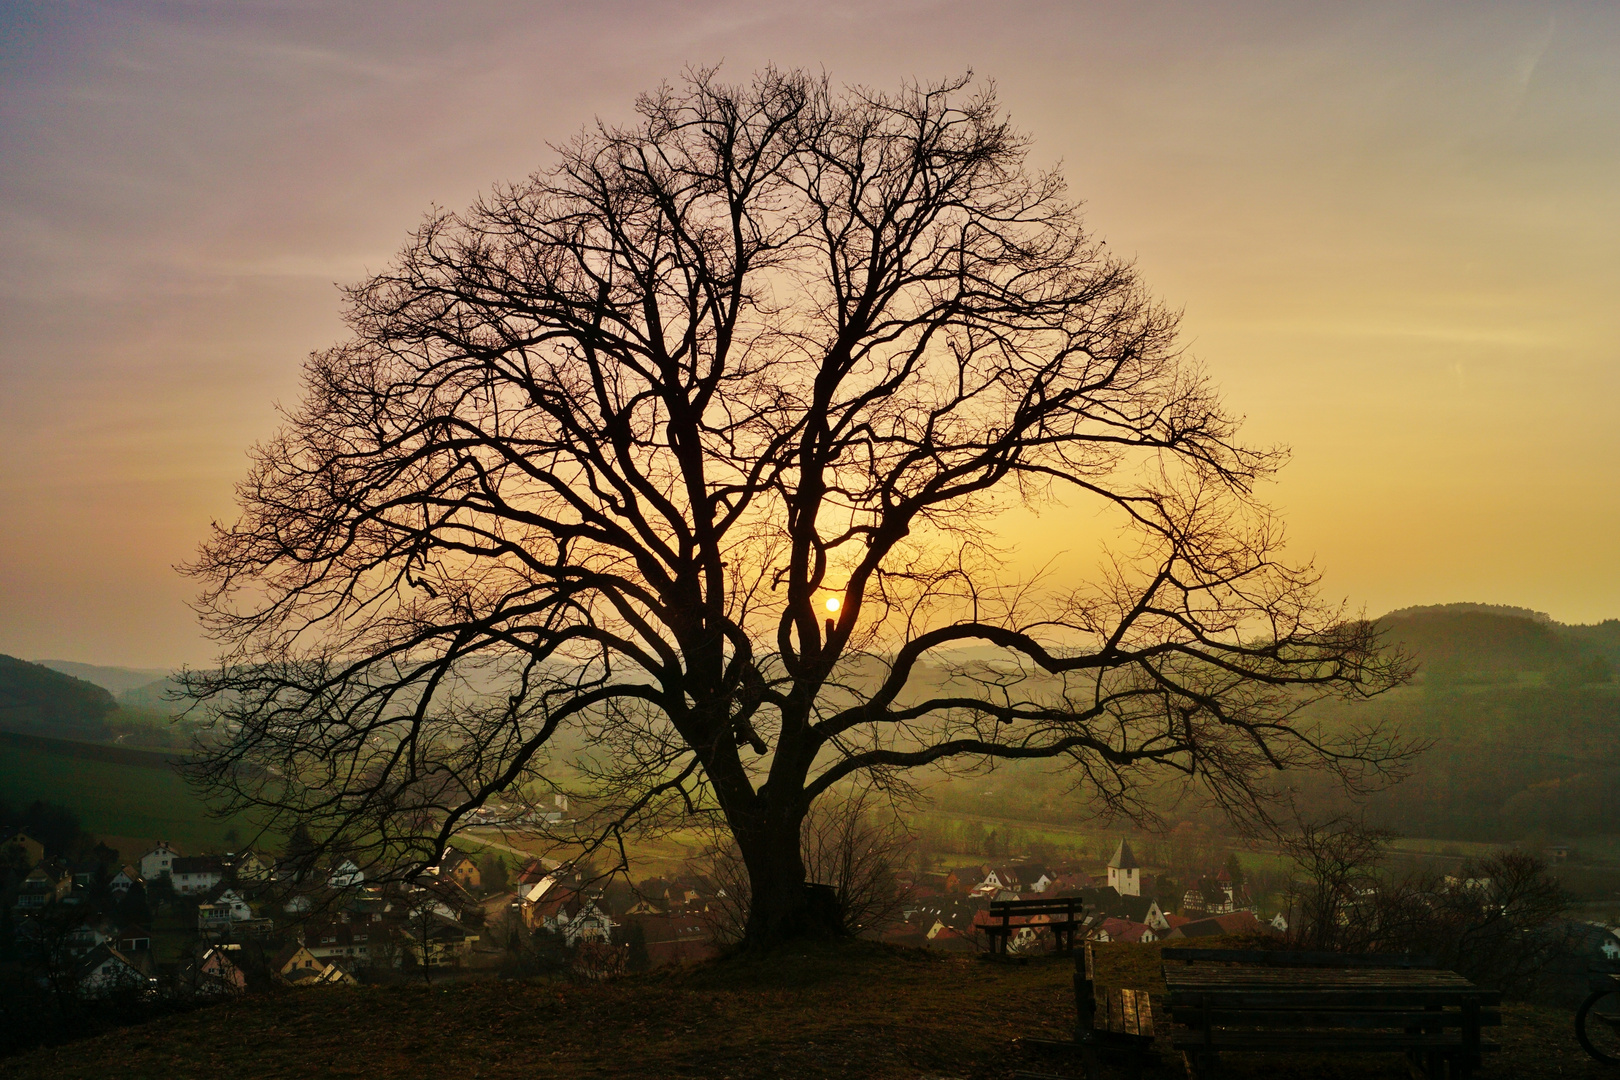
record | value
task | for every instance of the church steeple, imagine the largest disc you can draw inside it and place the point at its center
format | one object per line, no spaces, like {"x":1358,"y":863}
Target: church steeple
{"x":1124,"y":874}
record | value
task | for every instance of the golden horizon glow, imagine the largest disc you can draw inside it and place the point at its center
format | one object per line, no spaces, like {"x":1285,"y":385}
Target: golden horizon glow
{"x":1391,"y":229}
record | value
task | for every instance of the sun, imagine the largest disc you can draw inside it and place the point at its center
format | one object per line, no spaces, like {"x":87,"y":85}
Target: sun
{"x":832,"y":603}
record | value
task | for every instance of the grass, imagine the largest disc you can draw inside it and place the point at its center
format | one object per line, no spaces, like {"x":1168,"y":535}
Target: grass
{"x":659,"y":856}
{"x":111,"y":797}
{"x":859,"y":1010}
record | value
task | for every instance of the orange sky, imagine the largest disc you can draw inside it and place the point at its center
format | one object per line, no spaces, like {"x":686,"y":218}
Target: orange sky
{"x":1394,"y":229}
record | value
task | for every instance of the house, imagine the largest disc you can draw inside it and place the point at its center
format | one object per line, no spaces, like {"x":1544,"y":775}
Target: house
{"x":436,"y":938}
{"x":1035,"y":878}
{"x":1236,"y":922}
{"x":366,"y":905}
{"x":1227,"y":891}
{"x":565,"y":910}
{"x":460,"y":867}
{"x":1124,"y":930}
{"x":297,"y":966}
{"x":159,"y":861}
{"x":334,"y":975}
{"x":126,"y":879}
{"x":453,"y":900}
{"x":536,"y":870}
{"x":643,"y":906}
{"x":231,"y":902}
{"x":86,"y":870}
{"x":956,"y":913}
{"x":997,"y":880}
{"x":83,"y":938}
{"x":675,"y":939}
{"x":1280,"y":924}
{"x":134,"y":939}
{"x":945,"y":939}
{"x":1124,"y":871}
{"x":346,"y":875}
{"x":195,"y":874}
{"x":45,"y":884}
{"x":1142,"y":909}
{"x":223,"y":912}
{"x":351,"y":943}
{"x":251,"y":868}
{"x":217,"y":975}
{"x":106,"y":971}
{"x":32,"y":851}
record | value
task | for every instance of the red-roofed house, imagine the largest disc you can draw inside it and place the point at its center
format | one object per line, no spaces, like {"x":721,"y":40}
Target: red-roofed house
{"x":1236,"y":922}
{"x":1126,"y":931}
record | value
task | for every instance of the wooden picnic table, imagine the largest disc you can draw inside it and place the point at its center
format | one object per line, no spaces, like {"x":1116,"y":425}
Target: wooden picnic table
{"x":1283,"y":1003}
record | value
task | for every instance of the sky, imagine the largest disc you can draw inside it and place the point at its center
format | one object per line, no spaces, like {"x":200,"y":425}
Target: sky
{"x":1393,"y":229}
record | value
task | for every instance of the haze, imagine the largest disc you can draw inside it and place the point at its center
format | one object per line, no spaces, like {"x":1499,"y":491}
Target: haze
{"x":1394,"y":229}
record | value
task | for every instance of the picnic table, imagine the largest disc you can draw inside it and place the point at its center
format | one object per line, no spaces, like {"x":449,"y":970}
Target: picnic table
{"x":1257,"y":1000}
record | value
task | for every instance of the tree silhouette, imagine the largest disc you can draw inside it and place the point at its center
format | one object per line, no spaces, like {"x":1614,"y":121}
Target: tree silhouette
{"x":679,"y":464}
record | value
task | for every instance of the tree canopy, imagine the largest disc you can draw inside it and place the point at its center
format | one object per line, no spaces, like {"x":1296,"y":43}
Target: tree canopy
{"x":687,"y":454}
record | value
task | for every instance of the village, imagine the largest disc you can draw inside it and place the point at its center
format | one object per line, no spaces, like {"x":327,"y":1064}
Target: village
{"x":167,"y":923}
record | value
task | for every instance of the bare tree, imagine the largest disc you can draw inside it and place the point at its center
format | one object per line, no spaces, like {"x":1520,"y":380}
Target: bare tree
{"x":673,"y":471}
{"x":853,"y":843}
{"x":1334,"y":901}
{"x":1499,"y":920}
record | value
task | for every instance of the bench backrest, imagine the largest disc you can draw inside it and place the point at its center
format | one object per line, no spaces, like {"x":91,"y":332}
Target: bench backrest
{"x":1293,"y":958}
{"x":1070,"y":906}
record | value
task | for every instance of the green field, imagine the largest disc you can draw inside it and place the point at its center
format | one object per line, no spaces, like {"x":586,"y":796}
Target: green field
{"x":111,"y":797}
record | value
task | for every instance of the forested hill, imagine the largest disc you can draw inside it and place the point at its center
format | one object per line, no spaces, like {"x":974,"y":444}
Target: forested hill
{"x":35,"y":698}
{"x":1481,"y":643}
{"x":1524,"y":717}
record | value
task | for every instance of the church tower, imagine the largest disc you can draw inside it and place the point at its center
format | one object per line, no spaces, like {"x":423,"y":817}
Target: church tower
{"x":1124,"y":875}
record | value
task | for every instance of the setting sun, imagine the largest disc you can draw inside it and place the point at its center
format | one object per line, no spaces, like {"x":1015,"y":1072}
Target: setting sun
{"x":832,"y":603}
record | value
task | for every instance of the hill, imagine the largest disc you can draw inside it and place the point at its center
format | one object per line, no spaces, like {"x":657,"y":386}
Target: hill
{"x":1482,"y":643}
{"x":39,"y":700}
{"x":35,"y":698}
{"x":159,"y":696}
{"x":856,"y":1011}
{"x":115,"y":680}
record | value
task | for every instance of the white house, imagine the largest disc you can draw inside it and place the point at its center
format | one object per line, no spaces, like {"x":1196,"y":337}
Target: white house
{"x":107,"y":971}
{"x":125,"y":880}
{"x":1124,"y":874}
{"x":995,"y":881}
{"x":86,"y":936}
{"x":158,"y":861}
{"x":346,"y":875}
{"x":228,"y":908}
{"x":232,"y":902}
{"x":572,"y":915}
{"x":196,"y":874}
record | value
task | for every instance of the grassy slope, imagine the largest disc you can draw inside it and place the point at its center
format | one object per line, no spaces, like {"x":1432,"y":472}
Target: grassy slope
{"x":861,"y":1011}
{"x":110,"y":797}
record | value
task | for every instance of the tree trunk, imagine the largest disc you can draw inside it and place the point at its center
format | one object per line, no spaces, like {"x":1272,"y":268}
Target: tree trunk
{"x":783,"y":906}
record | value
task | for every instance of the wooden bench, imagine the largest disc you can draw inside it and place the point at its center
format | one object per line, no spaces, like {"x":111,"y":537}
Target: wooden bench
{"x":1109,"y":1021}
{"x":1064,"y":918}
{"x":1244,"y":1000}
